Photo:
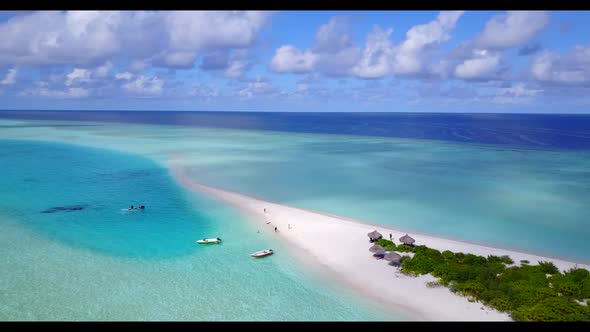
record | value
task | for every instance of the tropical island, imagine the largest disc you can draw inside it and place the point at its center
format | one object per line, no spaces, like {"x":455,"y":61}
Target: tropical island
{"x":527,"y":292}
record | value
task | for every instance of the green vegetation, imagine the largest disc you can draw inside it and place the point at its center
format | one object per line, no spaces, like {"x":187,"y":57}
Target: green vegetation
{"x":386,"y":244}
{"x":390,"y":246}
{"x":548,"y":267}
{"x":405,"y":248}
{"x":528,"y":292}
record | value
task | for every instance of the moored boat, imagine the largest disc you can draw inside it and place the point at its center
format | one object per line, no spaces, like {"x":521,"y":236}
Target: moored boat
{"x":262,"y":253}
{"x":209,"y":241}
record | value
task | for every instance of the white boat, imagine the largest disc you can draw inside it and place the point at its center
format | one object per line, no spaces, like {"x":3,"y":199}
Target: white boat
{"x":209,"y":241}
{"x":262,"y":253}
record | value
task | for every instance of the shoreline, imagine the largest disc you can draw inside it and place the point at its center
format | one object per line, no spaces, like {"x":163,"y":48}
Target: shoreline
{"x":418,"y":233}
{"x":340,"y":246}
{"x":545,"y":256}
{"x":446,"y":238}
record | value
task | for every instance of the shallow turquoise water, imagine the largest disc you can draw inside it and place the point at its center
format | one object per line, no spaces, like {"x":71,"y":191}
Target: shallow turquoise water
{"x":104,"y":263}
{"x":40,"y":176}
{"x":525,"y":199}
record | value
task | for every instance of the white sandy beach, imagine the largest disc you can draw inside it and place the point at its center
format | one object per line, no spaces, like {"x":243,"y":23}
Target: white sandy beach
{"x":340,"y":245}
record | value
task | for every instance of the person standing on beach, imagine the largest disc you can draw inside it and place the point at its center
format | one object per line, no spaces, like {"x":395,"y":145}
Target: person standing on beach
{"x":275,"y":229}
{"x":264,"y":210}
{"x":390,"y":237}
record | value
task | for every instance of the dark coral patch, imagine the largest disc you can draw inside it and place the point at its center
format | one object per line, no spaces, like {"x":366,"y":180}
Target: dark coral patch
{"x":64,"y":208}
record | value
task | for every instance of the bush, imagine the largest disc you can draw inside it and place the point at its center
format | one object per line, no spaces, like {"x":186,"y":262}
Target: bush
{"x":442,"y":271}
{"x":553,"y":309}
{"x":386,"y":244}
{"x":424,"y":260}
{"x":474,"y":260}
{"x":488,"y":274}
{"x":462,"y":272}
{"x":419,"y":264}
{"x":433,"y":284}
{"x":548,"y":267}
{"x":405,"y":248}
{"x":471,"y":288}
{"x":406,"y":266}
{"x":569,"y":288}
{"x":586,"y":289}
{"x":577,"y":274}
{"x":500,"y":259}
{"x":574,"y":283}
{"x":507,"y":260}
{"x":490,"y":294}
{"x":502,"y":303}
{"x":448,"y":255}
{"x":526,"y":296}
{"x":524,"y":261}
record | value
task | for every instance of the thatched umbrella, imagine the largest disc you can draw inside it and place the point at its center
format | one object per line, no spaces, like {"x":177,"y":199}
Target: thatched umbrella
{"x":393,"y":257}
{"x":406,"y":239}
{"x":374,"y":236}
{"x":379,"y":253}
{"x":376,"y":248}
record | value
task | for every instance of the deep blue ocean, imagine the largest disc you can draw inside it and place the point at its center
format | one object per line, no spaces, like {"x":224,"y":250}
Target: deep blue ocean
{"x":537,"y":131}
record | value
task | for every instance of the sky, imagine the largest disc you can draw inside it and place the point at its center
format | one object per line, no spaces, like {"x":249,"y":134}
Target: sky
{"x":296,"y":61}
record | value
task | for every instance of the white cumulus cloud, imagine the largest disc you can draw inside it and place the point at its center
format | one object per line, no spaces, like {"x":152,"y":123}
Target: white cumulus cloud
{"x":86,"y":38}
{"x":377,"y":56}
{"x":481,"y":57}
{"x":514,"y":28}
{"x":78,"y":75}
{"x":10,"y":77}
{"x":570,"y":68}
{"x":334,"y":51}
{"x":288,"y":58}
{"x":410,"y":55}
{"x":144,"y":85}
{"x":257,"y":87}
{"x":483,"y":64}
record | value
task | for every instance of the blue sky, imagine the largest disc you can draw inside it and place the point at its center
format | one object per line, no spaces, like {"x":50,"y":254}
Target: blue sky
{"x":364,"y":61}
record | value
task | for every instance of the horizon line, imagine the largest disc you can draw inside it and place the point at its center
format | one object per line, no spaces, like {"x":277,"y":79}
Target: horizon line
{"x":295,"y":112}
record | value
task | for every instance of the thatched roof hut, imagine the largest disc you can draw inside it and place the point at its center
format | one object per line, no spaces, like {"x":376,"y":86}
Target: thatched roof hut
{"x":379,"y":253}
{"x":374,"y":236}
{"x":393,"y":257}
{"x":376,"y":248}
{"x":406,"y":239}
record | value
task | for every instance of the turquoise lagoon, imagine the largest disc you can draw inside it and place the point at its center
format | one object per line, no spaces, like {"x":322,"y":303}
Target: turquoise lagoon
{"x":524,"y":199}
{"x":101,"y":262}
